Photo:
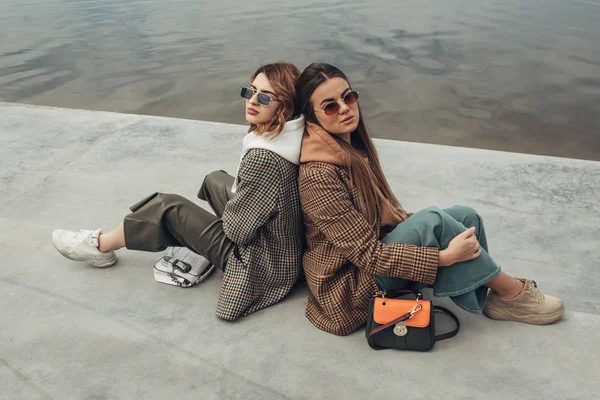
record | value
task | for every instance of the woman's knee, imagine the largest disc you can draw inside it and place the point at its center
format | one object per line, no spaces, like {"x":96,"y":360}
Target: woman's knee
{"x":212,"y":178}
{"x":210,"y":183}
{"x":465,"y":214}
{"x":466,"y":210}
{"x":430,"y":212}
{"x":169,"y":200}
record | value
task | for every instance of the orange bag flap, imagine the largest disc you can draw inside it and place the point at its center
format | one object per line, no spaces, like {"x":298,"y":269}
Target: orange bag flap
{"x":387,"y":310}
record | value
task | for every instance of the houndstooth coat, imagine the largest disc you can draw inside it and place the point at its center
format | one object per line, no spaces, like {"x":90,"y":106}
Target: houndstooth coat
{"x":265,"y":221}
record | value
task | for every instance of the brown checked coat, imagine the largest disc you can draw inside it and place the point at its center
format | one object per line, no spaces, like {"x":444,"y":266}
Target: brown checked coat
{"x":343,"y":250}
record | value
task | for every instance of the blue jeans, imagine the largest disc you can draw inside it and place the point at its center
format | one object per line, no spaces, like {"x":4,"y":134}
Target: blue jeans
{"x":462,"y":282}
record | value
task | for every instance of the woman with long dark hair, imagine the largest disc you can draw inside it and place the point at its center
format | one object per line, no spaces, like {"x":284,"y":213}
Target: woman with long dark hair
{"x":360,"y":239}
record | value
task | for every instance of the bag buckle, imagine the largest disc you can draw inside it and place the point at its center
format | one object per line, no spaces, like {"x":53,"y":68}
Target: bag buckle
{"x":179,"y":264}
{"x":400,"y":329}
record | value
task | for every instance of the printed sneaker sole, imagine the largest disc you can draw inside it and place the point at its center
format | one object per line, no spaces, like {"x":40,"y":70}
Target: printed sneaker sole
{"x":533,"y":319}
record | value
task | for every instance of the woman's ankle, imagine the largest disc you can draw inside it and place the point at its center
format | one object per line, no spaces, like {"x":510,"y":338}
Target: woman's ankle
{"x":506,"y":286}
{"x":103,"y":244}
{"x":112,"y":241}
{"x":513,"y":291}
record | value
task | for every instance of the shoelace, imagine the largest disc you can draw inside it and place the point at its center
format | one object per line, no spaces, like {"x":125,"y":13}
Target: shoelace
{"x":535,"y":292}
{"x":84,"y":236}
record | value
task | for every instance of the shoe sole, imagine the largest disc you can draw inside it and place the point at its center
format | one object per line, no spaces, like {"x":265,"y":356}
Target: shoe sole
{"x":97,"y":264}
{"x":533,"y":319}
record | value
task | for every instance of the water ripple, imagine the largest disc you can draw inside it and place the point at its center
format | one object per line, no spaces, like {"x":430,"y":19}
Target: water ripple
{"x":507,"y":75}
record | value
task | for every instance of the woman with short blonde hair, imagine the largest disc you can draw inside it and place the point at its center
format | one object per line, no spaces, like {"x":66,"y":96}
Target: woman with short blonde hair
{"x":257,"y":234}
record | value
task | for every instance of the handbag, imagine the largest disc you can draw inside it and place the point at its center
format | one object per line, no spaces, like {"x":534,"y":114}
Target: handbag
{"x":404,"y":324}
{"x":182,"y":267}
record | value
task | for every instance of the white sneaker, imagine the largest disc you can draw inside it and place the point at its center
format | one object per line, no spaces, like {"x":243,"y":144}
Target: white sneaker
{"x":82,"y":246}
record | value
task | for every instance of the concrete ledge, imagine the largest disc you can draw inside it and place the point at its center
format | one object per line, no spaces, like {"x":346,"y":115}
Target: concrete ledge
{"x":74,"y":332}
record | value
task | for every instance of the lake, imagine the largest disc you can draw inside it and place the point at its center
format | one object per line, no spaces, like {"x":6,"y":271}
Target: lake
{"x":509,"y":75}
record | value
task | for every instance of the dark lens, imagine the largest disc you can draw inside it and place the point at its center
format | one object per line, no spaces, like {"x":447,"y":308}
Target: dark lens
{"x":351,"y":98}
{"x":331,"y":109}
{"x":246,"y":93}
{"x":264,"y":99}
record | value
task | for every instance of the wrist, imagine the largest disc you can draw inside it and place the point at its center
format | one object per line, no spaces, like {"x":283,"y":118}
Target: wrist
{"x":445,"y":258}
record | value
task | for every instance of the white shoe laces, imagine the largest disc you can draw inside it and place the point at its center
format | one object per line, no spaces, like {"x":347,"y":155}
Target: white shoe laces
{"x":84,"y":236}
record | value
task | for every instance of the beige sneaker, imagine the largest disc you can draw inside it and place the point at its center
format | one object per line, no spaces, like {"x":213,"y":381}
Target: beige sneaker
{"x":530,"y":307}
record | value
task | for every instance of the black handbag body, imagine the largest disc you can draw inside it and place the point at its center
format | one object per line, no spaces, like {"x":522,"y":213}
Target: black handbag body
{"x":397,"y":333}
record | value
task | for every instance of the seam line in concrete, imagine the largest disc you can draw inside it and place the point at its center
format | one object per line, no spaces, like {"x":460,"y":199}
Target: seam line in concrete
{"x":25,"y":379}
{"x":138,"y":330}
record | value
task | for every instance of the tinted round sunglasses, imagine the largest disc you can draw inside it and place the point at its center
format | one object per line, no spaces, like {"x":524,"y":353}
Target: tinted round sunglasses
{"x":263,"y":98}
{"x":334,"y":107}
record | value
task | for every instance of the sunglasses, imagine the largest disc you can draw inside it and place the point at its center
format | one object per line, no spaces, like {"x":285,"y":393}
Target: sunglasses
{"x":263,"y":98}
{"x":334,"y":107}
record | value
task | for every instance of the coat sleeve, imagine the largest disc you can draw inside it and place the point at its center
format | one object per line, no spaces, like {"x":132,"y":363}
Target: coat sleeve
{"x":255,"y":202}
{"x":326,"y":202}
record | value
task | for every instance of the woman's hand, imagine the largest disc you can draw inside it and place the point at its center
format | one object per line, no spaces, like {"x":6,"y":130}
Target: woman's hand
{"x":463,"y":247}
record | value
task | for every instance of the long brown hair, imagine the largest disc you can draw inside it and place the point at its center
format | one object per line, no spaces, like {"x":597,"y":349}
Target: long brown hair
{"x":282,"y":76}
{"x":367,"y":175}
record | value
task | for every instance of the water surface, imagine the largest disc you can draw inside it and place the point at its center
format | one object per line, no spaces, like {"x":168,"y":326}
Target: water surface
{"x":509,"y":75}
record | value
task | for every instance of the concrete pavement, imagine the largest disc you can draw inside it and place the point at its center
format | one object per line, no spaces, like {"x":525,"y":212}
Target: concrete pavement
{"x":69,"y":331}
